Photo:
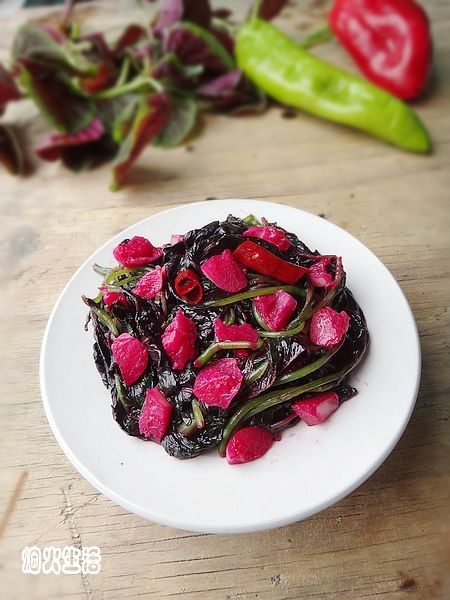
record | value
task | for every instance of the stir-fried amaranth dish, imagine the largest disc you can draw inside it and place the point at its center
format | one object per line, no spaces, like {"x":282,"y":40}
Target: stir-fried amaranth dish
{"x":224,"y":337}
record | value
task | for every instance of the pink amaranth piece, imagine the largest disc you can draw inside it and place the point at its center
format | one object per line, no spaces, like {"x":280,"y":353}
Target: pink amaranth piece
{"x":179,"y":340}
{"x":276,"y":309}
{"x":154,"y":419}
{"x":318,"y":408}
{"x":111,"y":297}
{"x":136,"y":252}
{"x":248,"y":444}
{"x":319,"y":276}
{"x":218,"y":383}
{"x":271,"y":234}
{"x":328,"y":327}
{"x":131,"y":357}
{"x":151,"y":284}
{"x":234,"y":333}
{"x":225,"y":272}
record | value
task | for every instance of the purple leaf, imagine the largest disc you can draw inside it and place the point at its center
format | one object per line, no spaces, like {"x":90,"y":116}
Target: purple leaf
{"x":37,"y":43}
{"x":193,"y":46}
{"x":231,"y":91}
{"x":8,"y":88}
{"x":50,"y":149}
{"x":10,"y":154}
{"x":100,"y":51}
{"x":103,"y":78}
{"x":269,"y":9}
{"x":171,"y":12}
{"x":151,"y":116}
{"x":55,"y":95}
{"x":174,"y":11}
{"x":197,"y":11}
{"x":131,"y":35}
{"x":224,"y":84}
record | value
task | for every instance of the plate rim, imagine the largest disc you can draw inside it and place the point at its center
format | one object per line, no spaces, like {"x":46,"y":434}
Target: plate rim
{"x":262,"y":525}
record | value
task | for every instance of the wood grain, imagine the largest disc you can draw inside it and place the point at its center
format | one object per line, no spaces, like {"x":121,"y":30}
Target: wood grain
{"x":390,"y":538}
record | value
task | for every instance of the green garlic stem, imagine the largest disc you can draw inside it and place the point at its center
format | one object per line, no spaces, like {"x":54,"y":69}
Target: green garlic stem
{"x":198,"y":415}
{"x":218,"y":346}
{"x":230,"y":317}
{"x":106,"y":320}
{"x":307,"y":369}
{"x":256,"y":292}
{"x":251,"y":220}
{"x":287,"y":333}
{"x":256,"y":374}
{"x":121,"y":392}
{"x":269,"y":400}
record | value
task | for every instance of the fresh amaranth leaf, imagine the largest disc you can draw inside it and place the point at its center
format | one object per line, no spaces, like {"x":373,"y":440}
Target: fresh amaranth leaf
{"x":11,"y":156}
{"x":8,"y":88}
{"x":129,"y":37}
{"x":182,"y":119}
{"x":56,"y":96}
{"x":194,"y":45}
{"x":230,"y":91}
{"x":35,"y":43}
{"x":174,"y":11}
{"x":50,"y":149}
{"x":152,"y":115}
{"x":103,"y":78}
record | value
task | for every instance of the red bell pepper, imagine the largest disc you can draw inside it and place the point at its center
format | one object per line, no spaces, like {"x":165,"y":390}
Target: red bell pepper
{"x":258,"y":259}
{"x":188,"y":287}
{"x":390,"y":41}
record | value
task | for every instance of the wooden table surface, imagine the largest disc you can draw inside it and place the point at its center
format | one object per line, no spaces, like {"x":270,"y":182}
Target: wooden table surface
{"x":390,"y":538}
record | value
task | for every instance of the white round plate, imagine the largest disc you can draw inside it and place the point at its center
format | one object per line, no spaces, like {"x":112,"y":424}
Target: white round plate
{"x":307,"y":471}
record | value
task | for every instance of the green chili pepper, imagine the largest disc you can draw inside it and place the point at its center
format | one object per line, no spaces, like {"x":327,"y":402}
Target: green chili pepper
{"x":293,"y":76}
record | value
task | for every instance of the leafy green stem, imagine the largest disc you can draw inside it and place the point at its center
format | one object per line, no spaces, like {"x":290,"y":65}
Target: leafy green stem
{"x":256,"y":292}
{"x":307,"y":369}
{"x":218,"y":346}
{"x":271,"y":399}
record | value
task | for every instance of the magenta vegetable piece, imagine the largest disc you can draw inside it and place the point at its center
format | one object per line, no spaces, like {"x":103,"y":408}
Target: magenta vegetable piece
{"x":111,"y":297}
{"x":179,"y":340}
{"x":154,"y":419}
{"x":276,"y":309}
{"x":318,"y":408}
{"x":248,"y":444}
{"x":319,"y":276}
{"x":328,"y":327}
{"x":131,"y":356}
{"x":151,"y":284}
{"x":136,"y":252}
{"x":218,"y":383}
{"x":224,"y":272}
{"x":271,"y":234}
{"x":234,"y":333}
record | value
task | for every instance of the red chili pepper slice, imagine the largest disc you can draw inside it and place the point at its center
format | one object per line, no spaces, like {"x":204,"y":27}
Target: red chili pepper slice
{"x":390,"y":40}
{"x":188,"y":286}
{"x":258,"y":259}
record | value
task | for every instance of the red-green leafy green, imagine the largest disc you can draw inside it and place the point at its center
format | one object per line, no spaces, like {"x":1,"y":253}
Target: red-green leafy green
{"x":106,"y":99}
{"x":151,"y":116}
{"x":10,"y":154}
